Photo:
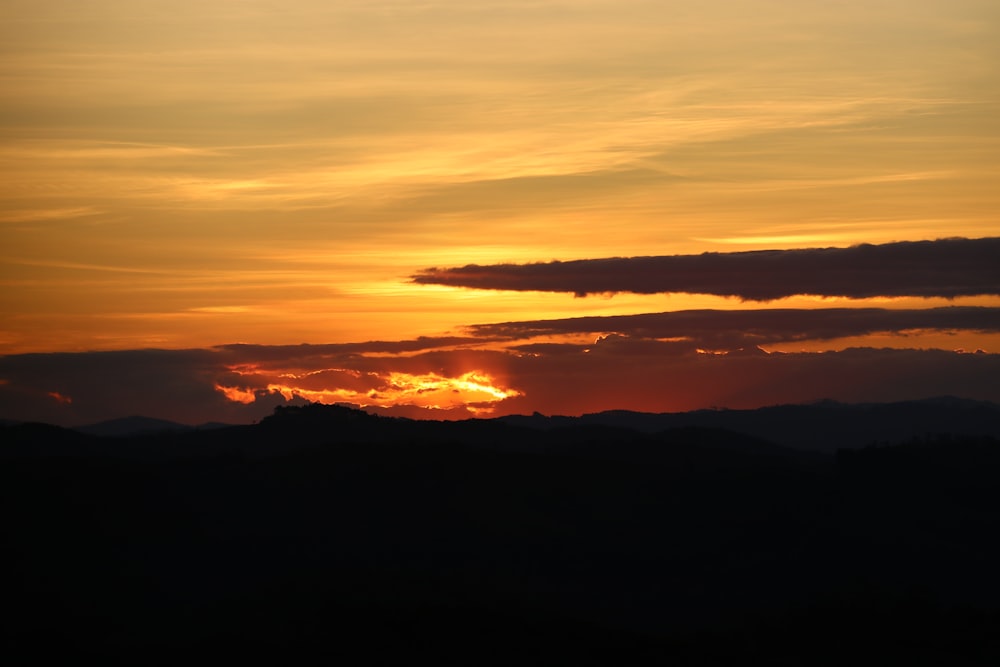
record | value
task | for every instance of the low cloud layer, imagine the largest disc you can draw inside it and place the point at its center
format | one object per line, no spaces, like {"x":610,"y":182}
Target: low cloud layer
{"x":655,"y":362}
{"x":943,"y":268}
{"x":730,"y":329}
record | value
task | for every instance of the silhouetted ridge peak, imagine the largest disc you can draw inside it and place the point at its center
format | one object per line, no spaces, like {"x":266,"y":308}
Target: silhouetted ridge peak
{"x":317,"y":414}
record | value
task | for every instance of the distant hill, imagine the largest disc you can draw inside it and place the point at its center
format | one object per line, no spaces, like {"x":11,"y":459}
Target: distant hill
{"x":825,"y":426}
{"x":134,"y":425}
{"x":137,"y":425}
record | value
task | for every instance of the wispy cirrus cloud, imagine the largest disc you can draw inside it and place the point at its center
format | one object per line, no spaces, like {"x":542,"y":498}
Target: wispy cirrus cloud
{"x":941,"y":268}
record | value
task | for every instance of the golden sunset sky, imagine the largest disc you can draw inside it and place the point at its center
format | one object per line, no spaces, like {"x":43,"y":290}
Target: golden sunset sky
{"x":188,"y":174}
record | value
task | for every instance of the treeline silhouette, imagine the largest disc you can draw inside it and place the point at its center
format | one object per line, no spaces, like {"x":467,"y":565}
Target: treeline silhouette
{"x":324,"y":533}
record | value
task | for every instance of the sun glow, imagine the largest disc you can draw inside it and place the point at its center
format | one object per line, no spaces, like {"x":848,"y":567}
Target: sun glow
{"x":476,"y":391}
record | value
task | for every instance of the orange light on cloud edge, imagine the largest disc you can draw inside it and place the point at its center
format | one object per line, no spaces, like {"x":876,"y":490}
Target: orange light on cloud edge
{"x":422,"y":392}
{"x":237,"y":395}
{"x":476,"y":391}
{"x":60,"y":398}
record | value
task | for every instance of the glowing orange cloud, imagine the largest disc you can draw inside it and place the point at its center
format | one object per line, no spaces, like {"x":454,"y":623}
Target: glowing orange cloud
{"x":476,"y":391}
{"x":237,"y":395}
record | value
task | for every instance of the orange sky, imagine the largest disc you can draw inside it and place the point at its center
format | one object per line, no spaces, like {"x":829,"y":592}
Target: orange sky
{"x":186,"y":174}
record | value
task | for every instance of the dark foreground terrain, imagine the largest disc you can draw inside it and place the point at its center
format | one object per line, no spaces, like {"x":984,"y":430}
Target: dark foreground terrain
{"x":324,"y":535}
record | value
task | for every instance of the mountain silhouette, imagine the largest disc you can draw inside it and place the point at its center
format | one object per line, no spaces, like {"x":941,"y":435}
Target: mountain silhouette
{"x":327,"y":534}
{"x":822,"y":426}
{"x":133,"y":425}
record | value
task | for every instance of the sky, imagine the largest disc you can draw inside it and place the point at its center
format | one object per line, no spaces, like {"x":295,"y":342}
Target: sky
{"x":453,"y":209}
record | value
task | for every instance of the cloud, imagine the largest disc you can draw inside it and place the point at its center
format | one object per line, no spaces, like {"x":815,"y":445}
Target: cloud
{"x":241,"y":383}
{"x":942,"y":268}
{"x":239,"y":351}
{"x":170,"y":384}
{"x":731,"y":329}
{"x":654,"y":362}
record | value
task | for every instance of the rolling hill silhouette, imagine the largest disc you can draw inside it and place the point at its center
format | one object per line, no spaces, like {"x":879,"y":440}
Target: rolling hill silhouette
{"x":324,"y":533}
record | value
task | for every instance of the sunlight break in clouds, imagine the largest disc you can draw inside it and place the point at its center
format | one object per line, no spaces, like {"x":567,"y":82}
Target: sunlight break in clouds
{"x":237,"y":395}
{"x":571,"y":366}
{"x":475,"y":391}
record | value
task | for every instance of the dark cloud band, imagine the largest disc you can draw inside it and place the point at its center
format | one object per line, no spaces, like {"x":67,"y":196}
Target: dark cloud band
{"x":737,"y":328}
{"x":943,"y":268}
{"x":645,"y":362}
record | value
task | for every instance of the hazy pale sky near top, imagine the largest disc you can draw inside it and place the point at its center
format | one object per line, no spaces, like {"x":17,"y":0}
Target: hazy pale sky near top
{"x":197,"y":172}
